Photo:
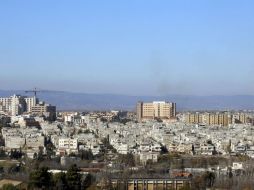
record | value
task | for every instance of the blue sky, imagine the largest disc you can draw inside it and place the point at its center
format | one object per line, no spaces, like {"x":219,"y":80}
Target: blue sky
{"x":134,"y":47}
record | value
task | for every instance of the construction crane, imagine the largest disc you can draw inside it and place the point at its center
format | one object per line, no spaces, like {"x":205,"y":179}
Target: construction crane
{"x":35,"y":91}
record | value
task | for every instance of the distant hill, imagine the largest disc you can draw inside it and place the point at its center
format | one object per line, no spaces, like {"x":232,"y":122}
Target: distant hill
{"x":84,"y":101}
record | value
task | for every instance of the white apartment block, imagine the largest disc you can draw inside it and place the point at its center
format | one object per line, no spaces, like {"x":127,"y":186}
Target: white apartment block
{"x":14,"y":142}
{"x":35,"y":141}
{"x":67,"y":146}
{"x":145,"y":156}
{"x":16,"y":104}
{"x":122,"y":148}
{"x":69,"y":118}
{"x":67,"y":143}
{"x":5,"y":104}
{"x":30,"y":102}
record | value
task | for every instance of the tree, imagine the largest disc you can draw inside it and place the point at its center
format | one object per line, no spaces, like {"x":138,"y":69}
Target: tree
{"x":214,"y":152}
{"x":104,"y":120}
{"x":15,"y":154}
{"x":2,"y":141}
{"x":193,"y":149}
{"x":2,"y":153}
{"x":230,"y":173}
{"x":14,"y":168}
{"x":87,"y":182}
{"x":164,"y":150}
{"x":229,"y":147}
{"x":159,"y":120}
{"x":86,"y":155}
{"x":41,"y":179}
{"x":49,"y":150}
{"x":108,"y":146}
{"x":1,"y":169}
{"x":60,"y":181}
{"x":72,"y":154}
{"x":9,"y":187}
{"x":73,"y":178}
{"x":127,"y":160}
{"x":198,"y":183}
{"x":186,"y":187}
{"x":106,"y":183}
{"x":209,"y":178}
{"x":40,"y":154}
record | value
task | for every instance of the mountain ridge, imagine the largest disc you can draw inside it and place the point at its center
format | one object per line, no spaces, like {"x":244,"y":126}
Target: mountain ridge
{"x":91,"y":101}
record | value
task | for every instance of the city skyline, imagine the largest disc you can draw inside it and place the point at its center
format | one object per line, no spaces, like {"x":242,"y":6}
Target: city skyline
{"x":132,"y":48}
{"x":126,"y":95}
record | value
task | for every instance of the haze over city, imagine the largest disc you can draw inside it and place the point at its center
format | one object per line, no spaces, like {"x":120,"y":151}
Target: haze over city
{"x":126,"y":95}
{"x":128,"y":47}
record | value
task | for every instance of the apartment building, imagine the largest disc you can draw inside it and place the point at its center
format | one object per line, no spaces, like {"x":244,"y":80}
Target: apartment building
{"x":240,"y":118}
{"x":14,"y":142}
{"x":45,"y":110}
{"x":30,"y":102}
{"x":194,"y":118}
{"x":219,"y":118}
{"x":35,"y":141}
{"x":176,"y":183}
{"x":13,"y":105}
{"x":158,"y":109}
{"x":67,"y":145}
{"x":18,"y":105}
{"x":5,"y":104}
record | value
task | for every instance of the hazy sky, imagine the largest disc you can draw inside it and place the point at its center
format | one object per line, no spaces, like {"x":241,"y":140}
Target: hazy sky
{"x":137,"y":47}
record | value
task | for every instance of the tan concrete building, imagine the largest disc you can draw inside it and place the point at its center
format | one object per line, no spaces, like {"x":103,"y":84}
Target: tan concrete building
{"x":151,"y":183}
{"x":223,"y":119}
{"x":194,"y":118}
{"x":153,"y":110}
{"x":241,"y":118}
{"x":220,"y":118}
{"x":46,"y":110}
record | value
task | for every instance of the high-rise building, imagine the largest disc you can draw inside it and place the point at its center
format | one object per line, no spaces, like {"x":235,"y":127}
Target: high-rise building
{"x":30,"y":102}
{"x":139,"y":111}
{"x":14,"y":105}
{"x":5,"y":104}
{"x":153,"y":110}
{"x":18,"y":105}
{"x":46,"y":110}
